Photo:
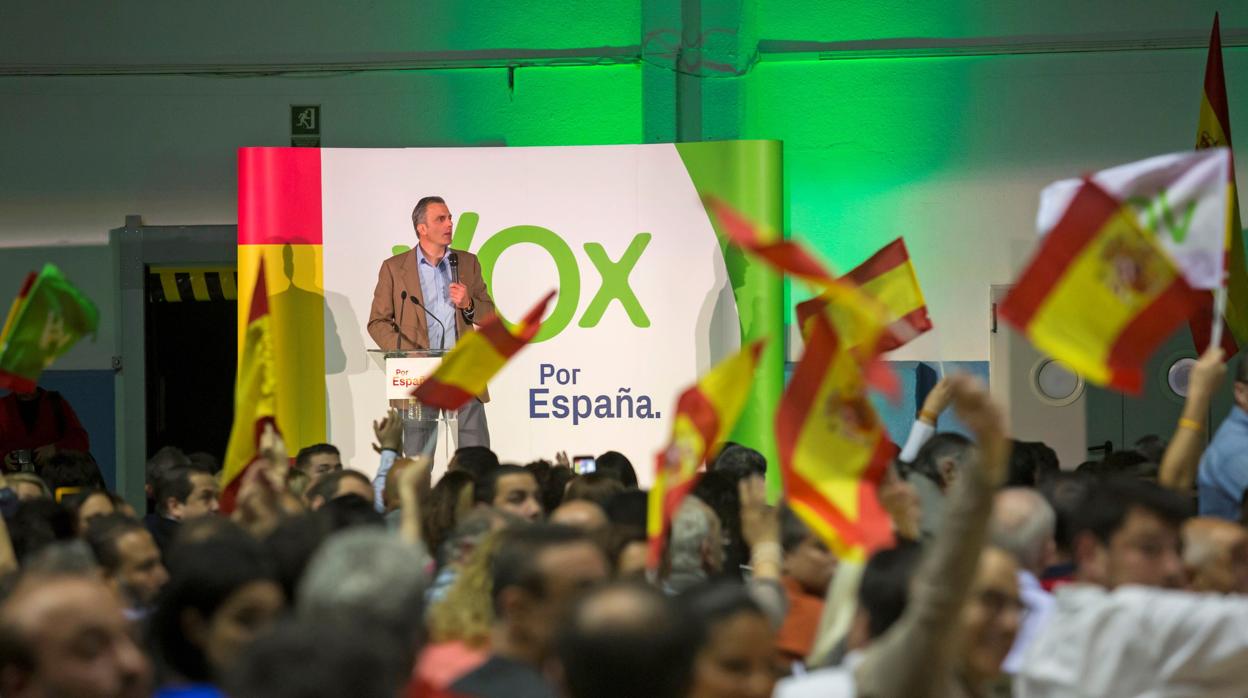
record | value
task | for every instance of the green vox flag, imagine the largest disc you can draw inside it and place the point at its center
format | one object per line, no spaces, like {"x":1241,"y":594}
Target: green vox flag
{"x":42,"y":326}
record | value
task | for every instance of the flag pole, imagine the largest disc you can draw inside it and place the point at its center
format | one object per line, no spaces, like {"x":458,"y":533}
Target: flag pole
{"x":1219,"y":310}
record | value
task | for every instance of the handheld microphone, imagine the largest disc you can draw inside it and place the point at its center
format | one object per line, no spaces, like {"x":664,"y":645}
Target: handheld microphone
{"x":418,"y":304}
{"x":453,"y":260}
{"x":398,"y":342}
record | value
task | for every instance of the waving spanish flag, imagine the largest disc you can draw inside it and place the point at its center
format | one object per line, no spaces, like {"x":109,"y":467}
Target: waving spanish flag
{"x":787,"y":256}
{"x":888,"y":276}
{"x":477,"y":356}
{"x":705,"y":415}
{"x":255,"y":394}
{"x":1100,"y":294}
{"x":833,"y":448}
{"x":1214,"y":130}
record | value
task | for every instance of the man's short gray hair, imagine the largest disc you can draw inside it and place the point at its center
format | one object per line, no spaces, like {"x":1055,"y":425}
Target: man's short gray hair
{"x":366,"y":573}
{"x":1023,"y":524}
{"x":418,"y":213}
{"x":691,"y":526}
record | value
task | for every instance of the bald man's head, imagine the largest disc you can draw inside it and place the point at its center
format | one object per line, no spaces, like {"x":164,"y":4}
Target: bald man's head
{"x":1023,"y":524}
{"x":625,"y":640}
{"x":582,"y":514}
{"x":1215,"y":553}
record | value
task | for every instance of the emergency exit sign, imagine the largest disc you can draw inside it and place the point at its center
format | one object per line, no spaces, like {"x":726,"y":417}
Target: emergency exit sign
{"x":305,"y":125}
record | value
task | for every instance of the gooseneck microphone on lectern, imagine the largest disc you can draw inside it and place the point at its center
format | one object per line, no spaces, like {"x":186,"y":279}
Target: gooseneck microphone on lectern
{"x":398,"y":343}
{"x":417,"y":303}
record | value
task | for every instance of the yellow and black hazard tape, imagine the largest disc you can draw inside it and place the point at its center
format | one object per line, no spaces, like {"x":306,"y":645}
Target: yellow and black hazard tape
{"x":191,"y":284}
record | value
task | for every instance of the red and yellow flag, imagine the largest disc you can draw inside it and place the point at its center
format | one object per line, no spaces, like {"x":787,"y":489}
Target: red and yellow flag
{"x":255,"y":395}
{"x":465,"y":371}
{"x":1214,"y":130}
{"x":888,"y":276}
{"x":834,"y":450}
{"x":787,"y":256}
{"x":705,"y":415}
{"x":1099,"y":295}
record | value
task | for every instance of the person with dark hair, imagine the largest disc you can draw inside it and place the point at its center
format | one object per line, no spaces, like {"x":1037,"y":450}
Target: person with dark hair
{"x":737,"y":462}
{"x":598,"y":488}
{"x":449,"y":502}
{"x":626,"y":640}
{"x":222,"y":592}
{"x":1031,"y":463}
{"x":88,"y":504}
{"x":1152,"y":447}
{"x":933,"y":472}
{"x":737,"y":656}
{"x":718,"y":490}
{"x":537,"y":572}
{"x":66,"y":635}
{"x":318,"y":459}
{"x":318,"y":659}
{"x":808,"y":568}
{"x":510,"y":489}
{"x":1128,"y":531}
{"x":162,"y":461}
{"x":70,"y":471}
{"x":1127,"y":464}
{"x":628,"y":509}
{"x":449,"y":296}
{"x":36,"y":425}
{"x":554,"y":486}
{"x":474,"y":460}
{"x":181,"y":494}
{"x":1222,"y":474}
{"x":616,"y":465}
{"x":1146,"y":637}
{"x":38,"y":523}
{"x":339,"y":483}
{"x":1064,"y":492}
{"x":129,"y":559}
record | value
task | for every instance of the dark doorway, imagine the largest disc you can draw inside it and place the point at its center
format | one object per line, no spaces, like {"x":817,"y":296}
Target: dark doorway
{"x":191,"y":355}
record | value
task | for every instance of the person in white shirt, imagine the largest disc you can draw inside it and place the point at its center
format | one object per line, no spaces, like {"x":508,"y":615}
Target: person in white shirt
{"x":1124,"y":629}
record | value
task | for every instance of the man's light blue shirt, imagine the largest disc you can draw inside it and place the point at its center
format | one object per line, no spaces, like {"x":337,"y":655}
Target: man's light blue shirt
{"x":1223,"y":474}
{"x":435,"y":287}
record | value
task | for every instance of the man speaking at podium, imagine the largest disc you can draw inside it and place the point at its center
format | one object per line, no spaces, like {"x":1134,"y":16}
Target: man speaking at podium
{"x":429,"y":297}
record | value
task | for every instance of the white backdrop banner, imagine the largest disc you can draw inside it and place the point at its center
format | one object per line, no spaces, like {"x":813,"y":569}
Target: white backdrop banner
{"x":644,"y":303}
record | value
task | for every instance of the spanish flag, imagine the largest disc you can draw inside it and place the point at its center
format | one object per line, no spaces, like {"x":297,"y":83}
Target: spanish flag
{"x":465,"y":371}
{"x":888,"y":277}
{"x":787,"y":256}
{"x":833,"y":448}
{"x":1099,"y":295}
{"x":705,"y":415}
{"x":255,"y":394}
{"x":1214,"y":130}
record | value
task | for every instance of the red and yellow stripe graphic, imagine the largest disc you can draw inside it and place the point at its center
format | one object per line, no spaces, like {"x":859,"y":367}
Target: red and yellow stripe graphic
{"x":833,"y":448}
{"x":1099,"y":295}
{"x":705,"y":415}
{"x":477,"y":357}
{"x":280,"y":232}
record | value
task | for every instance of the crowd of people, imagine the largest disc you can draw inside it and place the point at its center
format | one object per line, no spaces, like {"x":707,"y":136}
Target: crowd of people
{"x":1009,"y":575}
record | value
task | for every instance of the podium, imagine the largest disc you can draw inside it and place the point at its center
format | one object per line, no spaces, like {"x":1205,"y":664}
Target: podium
{"x":425,"y":429}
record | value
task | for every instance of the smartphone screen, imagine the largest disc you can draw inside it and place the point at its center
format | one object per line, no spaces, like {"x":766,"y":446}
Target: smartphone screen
{"x":583,"y":464}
